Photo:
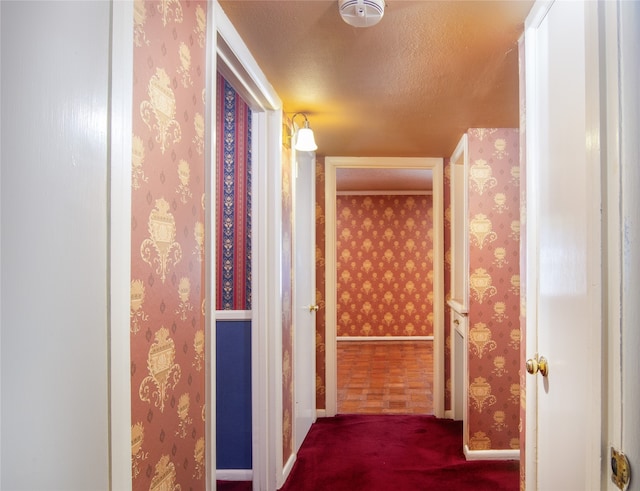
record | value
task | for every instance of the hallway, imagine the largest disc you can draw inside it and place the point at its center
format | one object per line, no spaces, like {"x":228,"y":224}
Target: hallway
{"x":385,"y":377}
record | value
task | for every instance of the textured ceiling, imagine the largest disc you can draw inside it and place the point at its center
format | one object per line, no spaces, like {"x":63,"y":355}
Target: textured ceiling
{"x":409,"y":86}
{"x":418,"y":180}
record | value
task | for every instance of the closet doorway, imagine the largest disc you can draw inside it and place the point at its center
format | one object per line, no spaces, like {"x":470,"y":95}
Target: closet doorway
{"x":395,"y":362}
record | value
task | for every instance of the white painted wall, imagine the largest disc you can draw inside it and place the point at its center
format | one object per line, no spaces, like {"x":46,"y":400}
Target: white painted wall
{"x":54,"y":99}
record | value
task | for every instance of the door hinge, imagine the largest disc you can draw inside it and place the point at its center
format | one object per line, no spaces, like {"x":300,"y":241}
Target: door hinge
{"x":620,"y":471}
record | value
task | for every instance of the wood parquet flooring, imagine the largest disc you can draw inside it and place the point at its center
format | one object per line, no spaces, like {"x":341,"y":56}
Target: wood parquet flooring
{"x":385,"y":377}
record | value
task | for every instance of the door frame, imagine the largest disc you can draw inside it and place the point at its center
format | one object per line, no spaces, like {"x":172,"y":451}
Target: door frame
{"x":119,"y":245}
{"x":332,"y":164}
{"x":629,"y":125}
{"x":621,"y":68}
{"x":612,"y":198}
{"x":235,"y":62}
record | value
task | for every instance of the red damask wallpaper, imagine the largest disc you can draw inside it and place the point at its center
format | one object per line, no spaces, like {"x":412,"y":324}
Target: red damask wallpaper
{"x":523,"y":264}
{"x":320,"y":286}
{"x":287,"y":306}
{"x":447,"y":282}
{"x":385,"y":265}
{"x":494,"y":297}
{"x":167,"y":246}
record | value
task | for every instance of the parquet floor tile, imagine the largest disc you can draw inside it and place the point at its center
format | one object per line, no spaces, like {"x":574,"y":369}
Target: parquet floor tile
{"x":385,"y":377}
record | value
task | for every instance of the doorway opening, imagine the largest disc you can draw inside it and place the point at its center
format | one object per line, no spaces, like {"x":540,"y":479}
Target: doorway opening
{"x":384,"y":392}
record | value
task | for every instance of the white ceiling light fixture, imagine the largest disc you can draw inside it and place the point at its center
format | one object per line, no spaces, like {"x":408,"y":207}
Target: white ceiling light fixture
{"x":304,"y":140}
{"x":361,"y":13}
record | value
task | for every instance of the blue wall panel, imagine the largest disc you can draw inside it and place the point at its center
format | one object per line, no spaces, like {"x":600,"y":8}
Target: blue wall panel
{"x":233,"y":394}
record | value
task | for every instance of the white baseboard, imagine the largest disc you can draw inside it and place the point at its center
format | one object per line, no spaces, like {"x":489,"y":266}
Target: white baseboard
{"x":233,"y":315}
{"x":286,"y":470}
{"x":234,"y":474}
{"x":321,"y":413}
{"x":448,"y":414}
{"x":383,"y":338}
{"x":491,"y":454}
{"x":289,"y":465}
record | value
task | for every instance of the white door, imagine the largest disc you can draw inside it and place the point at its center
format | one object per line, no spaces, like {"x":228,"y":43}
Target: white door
{"x":304,"y":278}
{"x":55,"y":92}
{"x":563,"y":273}
{"x":564,"y":320}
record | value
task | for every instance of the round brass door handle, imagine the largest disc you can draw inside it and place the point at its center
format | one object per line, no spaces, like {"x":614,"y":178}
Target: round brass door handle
{"x":313,"y":308}
{"x":538,"y":364}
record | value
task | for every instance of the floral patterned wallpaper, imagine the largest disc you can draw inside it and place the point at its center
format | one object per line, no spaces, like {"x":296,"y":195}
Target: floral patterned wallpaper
{"x":523,"y":264}
{"x":446,"y":199}
{"x":167,"y":249}
{"x":287,"y":306}
{"x":384,"y":247}
{"x":233,"y":206}
{"x":494,"y":297}
{"x":320,"y":285}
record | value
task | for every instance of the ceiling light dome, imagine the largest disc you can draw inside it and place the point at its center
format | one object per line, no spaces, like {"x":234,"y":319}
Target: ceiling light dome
{"x":361,"y":13}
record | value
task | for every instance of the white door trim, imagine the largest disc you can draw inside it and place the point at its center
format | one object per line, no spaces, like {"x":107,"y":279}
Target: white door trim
{"x":627,"y":131}
{"x":537,"y":14}
{"x":331,"y":166}
{"x":611,"y":233}
{"x":237,"y":65}
{"x":121,"y":87}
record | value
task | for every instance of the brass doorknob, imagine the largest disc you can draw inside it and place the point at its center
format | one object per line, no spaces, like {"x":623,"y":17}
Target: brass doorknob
{"x":313,"y":308}
{"x":538,"y":364}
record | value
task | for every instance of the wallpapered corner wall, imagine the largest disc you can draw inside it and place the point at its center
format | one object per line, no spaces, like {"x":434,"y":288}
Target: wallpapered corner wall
{"x":320,"y":284}
{"x":523,"y":258}
{"x":167,"y":246}
{"x":494,"y":296}
{"x":446,"y":199}
{"x":287,"y":305}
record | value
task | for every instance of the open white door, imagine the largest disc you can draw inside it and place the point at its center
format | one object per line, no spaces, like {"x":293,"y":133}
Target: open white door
{"x":304,"y":274}
{"x":563,"y":274}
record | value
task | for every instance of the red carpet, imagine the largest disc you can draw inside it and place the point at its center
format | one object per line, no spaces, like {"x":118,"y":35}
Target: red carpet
{"x":234,"y":485}
{"x":382,"y":453}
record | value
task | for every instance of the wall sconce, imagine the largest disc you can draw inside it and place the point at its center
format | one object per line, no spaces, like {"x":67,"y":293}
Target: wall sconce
{"x":304,"y":140}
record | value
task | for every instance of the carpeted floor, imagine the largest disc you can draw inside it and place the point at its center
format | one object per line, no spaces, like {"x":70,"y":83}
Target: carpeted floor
{"x":403,"y":453}
{"x":234,"y":485}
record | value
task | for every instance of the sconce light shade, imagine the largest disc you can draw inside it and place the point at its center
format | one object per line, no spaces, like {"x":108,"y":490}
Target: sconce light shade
{"x":305,"y":142}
